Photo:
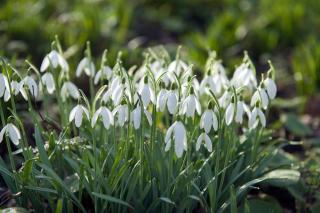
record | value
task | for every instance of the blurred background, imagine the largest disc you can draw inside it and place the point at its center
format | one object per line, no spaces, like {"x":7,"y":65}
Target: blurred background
{"x":285,"y":31}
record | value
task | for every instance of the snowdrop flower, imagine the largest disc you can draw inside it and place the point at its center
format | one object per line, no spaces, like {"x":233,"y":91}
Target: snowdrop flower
{"x":256,"y":117}
{"x":209,"y":120}
{"x":12,"y":131}
{"x":54,"y":59}
{"x":48,"y":81}
{"x":118,"y":92}
{"x":190,"y":105}
{"x":241,"y":109}
{"x":146,"y":93}
{"x":4,"y":88}
{"x":104,"y":73}
{"x":105,"y":114}
{"x":244,"y":76}
{"x":16,"y":89}
{"x":260,"y":95}
{"x":136,"y":116}
{"x":87,"y":66}
{"x":229,"y":114}
{"x":32,"y":85}
{"x":203,"y":137}
{"x":235,"y":112}
{"x":225,"y":99}
{"x":159,"y":71}
{"x":161,"y":100}
{"x":3,"y":82}
{"x":168,"y":98}
{"x":177,"y":67}
{"x":271,"y":87}
{"x":69,"y":89}
{"x":76,"y":114}
{"x":176,"y":131}
{"x":122,"y":112}
{"x":172,"y":100}
{"x":218,"y":79}
{"x":190,"y":83}
{"x":106,"y":96}
{"x":114,"y":84}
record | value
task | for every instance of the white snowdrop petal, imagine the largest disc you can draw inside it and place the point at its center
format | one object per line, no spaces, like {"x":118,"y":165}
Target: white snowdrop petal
{"x":2,"y":132}
{"x":107,"y":117}
{"x":54,"y":58}
{"x":198,"y":107}
{"x":95,"y":117}
{"x":208,"y":142}
{"x":2,"y":85}
{"x":7,"y":95}
{"x":172,"y":103}
{"x":262,"y":118}
{"x":86,"y":111}
{"x":254,"y":98}
{"x":97,"y":77}
{"x":239,"y":114}
{"x":207,"y":121}
{"x":246,"y":109}
{"x":199,"y":141}
{"x":106,"y":96}
{"x":45,"y":64}
{"x":271,"y":88}
{"x":179,"y":137}
{"x":32,"y":86}
{"x":149,"y":117}
{"x":169,"y":133}
{"x":82,"y":64}
{"x":229,"y":113}
{"x":73,"y":91}
{"x":253,"y":119}
{"x":137,"y":117}
{"x":73,"y":113}
{"x":63,"y":63}
{"x":48,"y":81}
{"x":145,"y":95}
{"x":117,"y":94}
{"x":190,"y":106}
{"x":214,"y":121}
{"x":161,"y":100}
{"x":14,"y":134}
{"x":111,"y":118}
{"x":168,"y":145}
{"x":78,"y":117}
{"x":264,"y":98}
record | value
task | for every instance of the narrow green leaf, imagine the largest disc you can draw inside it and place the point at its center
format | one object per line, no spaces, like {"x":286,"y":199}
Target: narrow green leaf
{"x":167,"y":200}
{"x":41,"y":189}
{"x":59,"y":206}
{"x":40,"y":145}
{"x":112,"y":199}
{"x":233,"y":200}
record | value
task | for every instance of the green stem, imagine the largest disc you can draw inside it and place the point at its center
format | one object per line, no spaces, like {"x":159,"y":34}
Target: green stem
{"x":95,"y":170}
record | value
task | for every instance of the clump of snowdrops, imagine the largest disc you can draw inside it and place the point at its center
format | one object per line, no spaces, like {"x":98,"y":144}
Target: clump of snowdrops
{"x":150,"y":138}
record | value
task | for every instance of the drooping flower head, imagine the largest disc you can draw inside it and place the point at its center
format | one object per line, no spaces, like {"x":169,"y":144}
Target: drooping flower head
{"x":77,"y":113}
{"x":54,"y":59}
{"x":106,"y":116}
{"x":69,"y":89}
{"x":12,"y":131}
{"x":177,"y":132}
